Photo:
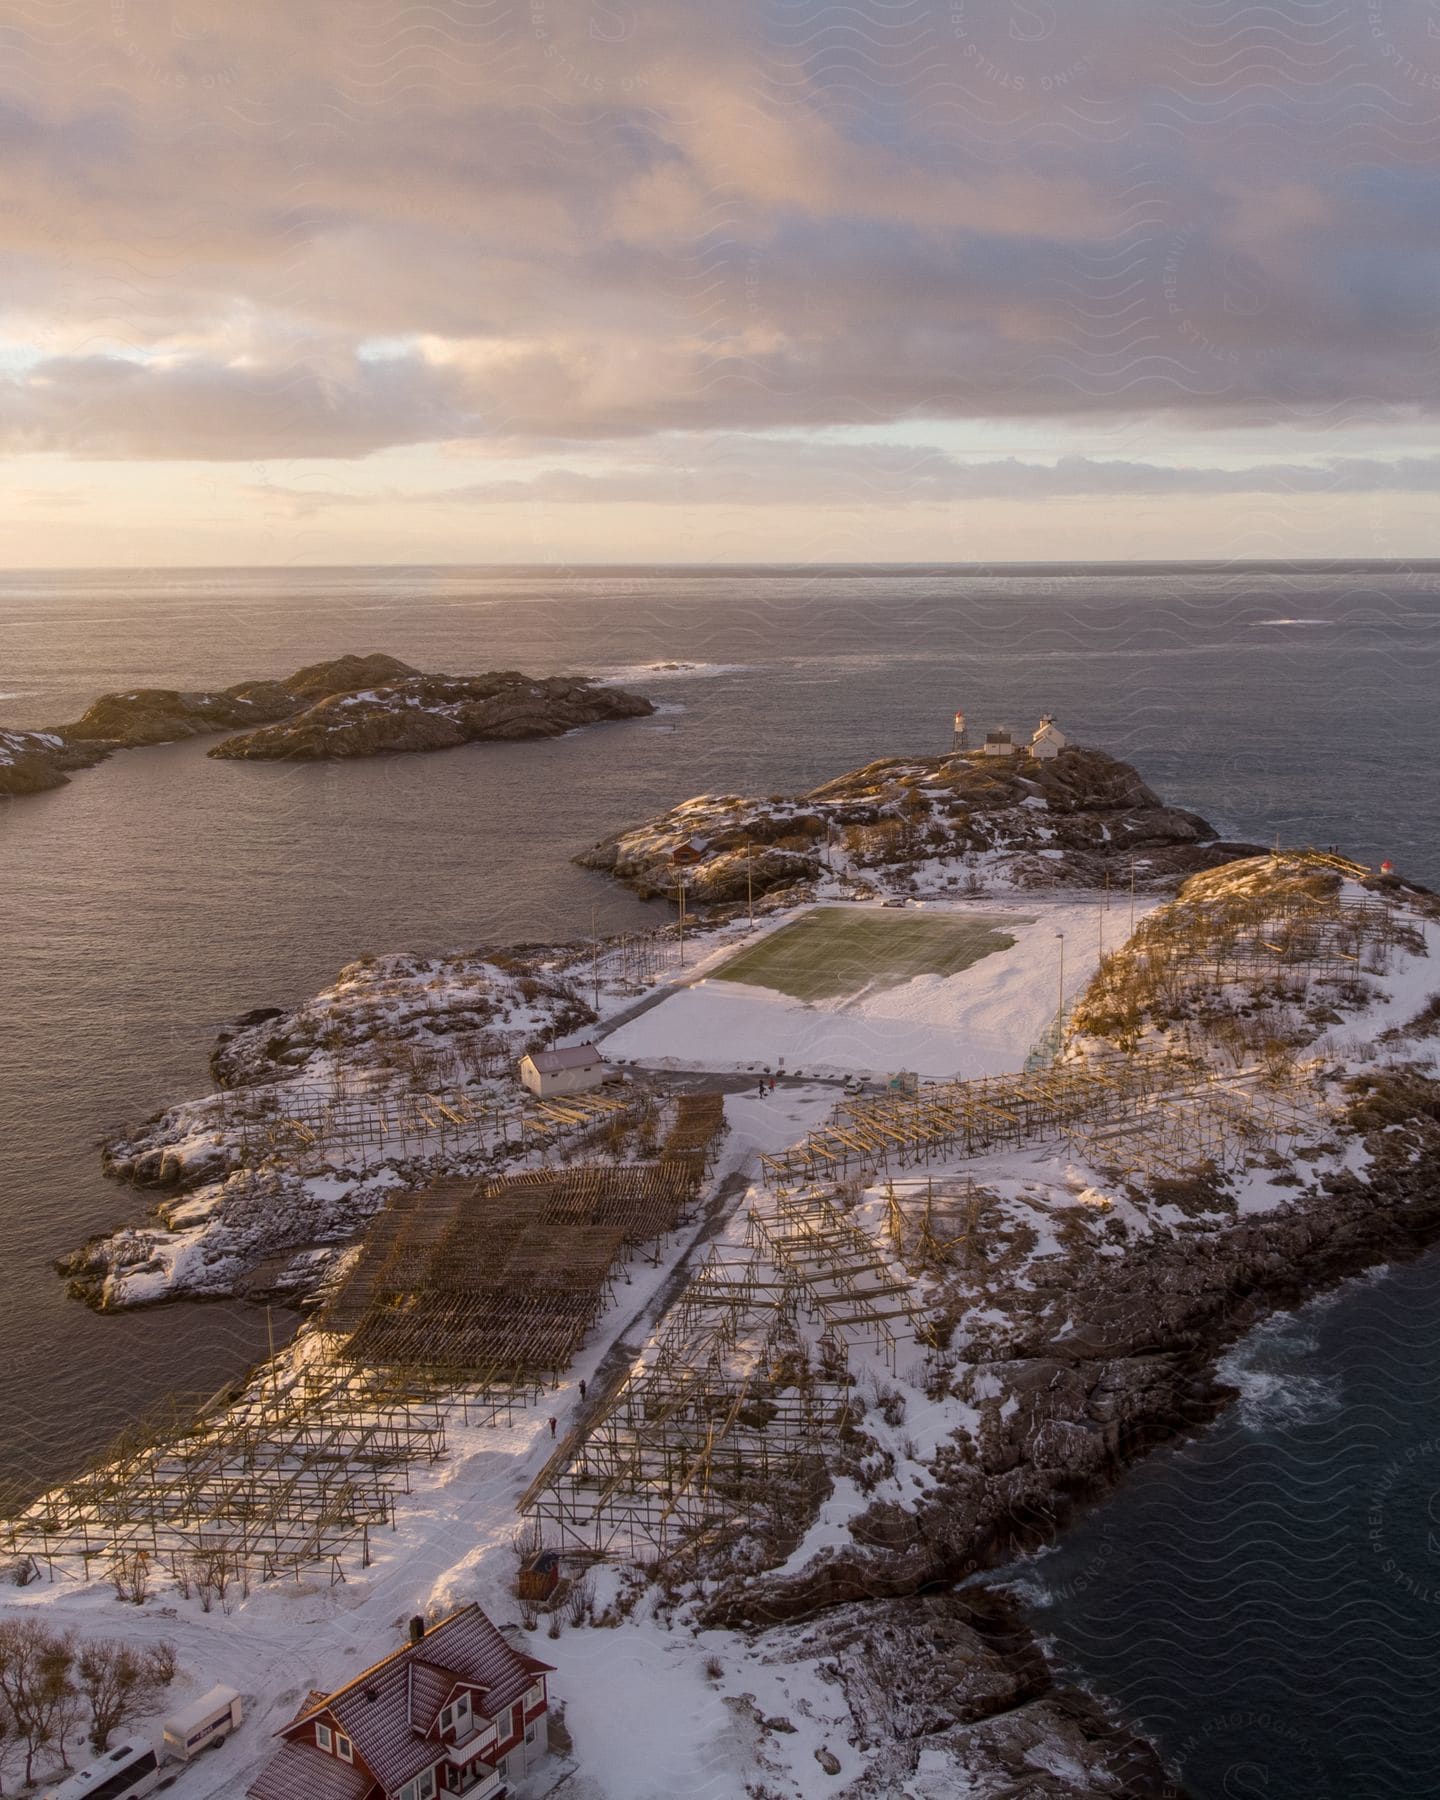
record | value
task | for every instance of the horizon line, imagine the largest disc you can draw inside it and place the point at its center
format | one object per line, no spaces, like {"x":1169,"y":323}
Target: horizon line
{"x":1116,"y":565}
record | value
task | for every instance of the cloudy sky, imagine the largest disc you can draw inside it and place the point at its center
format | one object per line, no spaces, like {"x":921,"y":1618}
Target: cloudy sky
{"x":526,"y":280}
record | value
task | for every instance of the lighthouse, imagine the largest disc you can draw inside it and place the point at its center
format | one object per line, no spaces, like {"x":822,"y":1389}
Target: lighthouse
{"x":962,"y":735}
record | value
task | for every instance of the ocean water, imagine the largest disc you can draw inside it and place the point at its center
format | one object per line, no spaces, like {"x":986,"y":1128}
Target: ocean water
{"x":162,"y":893}
{"x":1265,"y":1601}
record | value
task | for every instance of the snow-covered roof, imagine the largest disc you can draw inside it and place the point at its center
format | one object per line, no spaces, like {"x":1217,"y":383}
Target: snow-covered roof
{"x":578,"y":1056}
{"x":301,"y":1772}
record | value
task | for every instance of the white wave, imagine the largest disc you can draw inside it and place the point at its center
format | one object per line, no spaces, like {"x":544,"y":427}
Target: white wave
{"x":1292,"y":621}
{"x":672,"y":671}
{"x":1267,"y":1368}
{"x":21,"y":694}
{"x":1269,"y":1402}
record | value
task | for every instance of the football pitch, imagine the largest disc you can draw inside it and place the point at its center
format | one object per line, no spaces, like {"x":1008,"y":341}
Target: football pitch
{"x":835,"y":952}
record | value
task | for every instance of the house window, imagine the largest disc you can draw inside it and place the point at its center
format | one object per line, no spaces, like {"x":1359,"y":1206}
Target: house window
{"x":425,"y":1786}
{"x":343,"y":1748}
{"x":531,"y":1733}
{"x":324,"y":1737}
{"x":536,"y":1694}
{"x":456,"y":1716}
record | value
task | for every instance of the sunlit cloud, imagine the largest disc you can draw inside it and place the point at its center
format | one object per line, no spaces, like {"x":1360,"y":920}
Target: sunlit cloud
{"x":237,"y":235}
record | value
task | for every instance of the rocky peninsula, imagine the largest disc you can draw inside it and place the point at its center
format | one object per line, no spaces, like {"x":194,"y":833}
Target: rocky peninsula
{"x":1239,"y":1110}
{"x":348,"y":706}
{"x":1073,"y":820}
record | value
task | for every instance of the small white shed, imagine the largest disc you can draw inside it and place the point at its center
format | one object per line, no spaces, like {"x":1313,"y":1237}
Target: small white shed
{"x":573,"y":1071}
{"x":999,"y":742}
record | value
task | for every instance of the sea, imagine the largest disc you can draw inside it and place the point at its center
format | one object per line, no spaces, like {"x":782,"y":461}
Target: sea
{"x":1266,"y":1599}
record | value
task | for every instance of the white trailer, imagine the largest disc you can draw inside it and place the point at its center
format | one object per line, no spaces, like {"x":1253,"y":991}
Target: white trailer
{"x":206,"y":1721}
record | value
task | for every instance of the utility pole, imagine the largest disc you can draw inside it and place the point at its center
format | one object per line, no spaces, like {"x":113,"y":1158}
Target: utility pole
{"x":680,"y":887}
{"x":594,"y":960}
{"x":1132,"y":897}
{"x":1060,"y":1009}
{"x":750,"y":884}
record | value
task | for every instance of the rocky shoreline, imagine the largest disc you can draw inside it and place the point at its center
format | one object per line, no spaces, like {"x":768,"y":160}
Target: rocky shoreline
{"x":948,"y":1664}
{"x":953,"y":1694}
{"x":349,"y":706}
{"x":1123,"y":1362}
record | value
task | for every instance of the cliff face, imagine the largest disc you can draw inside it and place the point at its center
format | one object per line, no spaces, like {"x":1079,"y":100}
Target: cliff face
{"x":436,"y":712}
{"x":1065,"y":822}
{"x":951,"y":1695}
{"x":348,"y":706}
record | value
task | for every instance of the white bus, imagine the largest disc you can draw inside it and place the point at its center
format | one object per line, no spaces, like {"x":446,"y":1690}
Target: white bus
{"x":128,"y":1769}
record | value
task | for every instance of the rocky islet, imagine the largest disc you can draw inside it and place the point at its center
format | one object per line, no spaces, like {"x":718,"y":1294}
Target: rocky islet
{"x":346,"y":707}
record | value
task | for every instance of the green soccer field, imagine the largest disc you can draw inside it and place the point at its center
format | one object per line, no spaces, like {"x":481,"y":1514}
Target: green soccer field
{"x":834,"y":952}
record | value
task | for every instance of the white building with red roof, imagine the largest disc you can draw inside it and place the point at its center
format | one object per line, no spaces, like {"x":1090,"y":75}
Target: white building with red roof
{"x":457,"y":1710}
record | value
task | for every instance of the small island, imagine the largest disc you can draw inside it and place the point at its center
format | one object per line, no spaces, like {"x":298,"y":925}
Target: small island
{"x":349,"y":706}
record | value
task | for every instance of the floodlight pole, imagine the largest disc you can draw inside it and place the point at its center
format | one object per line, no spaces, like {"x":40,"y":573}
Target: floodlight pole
{"x":1132,"y":898}
{"x":1060,"y":1009}
{"x":750,"y":884}
{"x":680,"y":894}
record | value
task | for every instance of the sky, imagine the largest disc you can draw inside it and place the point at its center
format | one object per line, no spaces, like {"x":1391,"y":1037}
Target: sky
{"x":351,"y":281}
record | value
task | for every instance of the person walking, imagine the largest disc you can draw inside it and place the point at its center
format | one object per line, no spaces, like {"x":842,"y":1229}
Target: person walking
{"x":552,"y":1428}
{"x":582,"y":1390}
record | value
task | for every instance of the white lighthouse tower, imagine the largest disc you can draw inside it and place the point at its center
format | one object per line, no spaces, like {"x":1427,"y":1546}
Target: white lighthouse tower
{"x":962,"y":734}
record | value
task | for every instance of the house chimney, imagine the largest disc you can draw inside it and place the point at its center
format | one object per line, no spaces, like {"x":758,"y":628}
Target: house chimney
{"x":417,"y":1629}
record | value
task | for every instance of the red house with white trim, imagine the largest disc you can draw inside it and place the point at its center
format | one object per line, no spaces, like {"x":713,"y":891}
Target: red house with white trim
{"x":458,"y":1710}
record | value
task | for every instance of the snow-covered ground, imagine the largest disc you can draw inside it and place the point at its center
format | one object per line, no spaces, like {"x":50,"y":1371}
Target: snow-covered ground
{"x":657,"y":1707}
{"x":982,"y":1021}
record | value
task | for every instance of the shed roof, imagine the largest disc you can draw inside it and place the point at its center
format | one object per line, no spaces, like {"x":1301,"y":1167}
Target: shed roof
{"x":578,"y":1056}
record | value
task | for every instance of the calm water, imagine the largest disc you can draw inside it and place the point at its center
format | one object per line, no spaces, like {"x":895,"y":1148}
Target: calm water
{"x":162,"y":893}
